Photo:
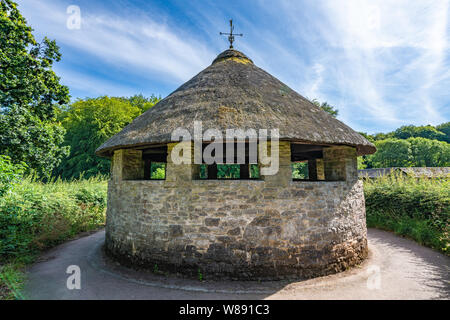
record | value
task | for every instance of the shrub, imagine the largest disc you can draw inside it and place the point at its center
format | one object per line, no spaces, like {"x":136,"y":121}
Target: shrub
{"x":36,"y":215}
{"x":9,"y":173}
{"x":417,"y":208}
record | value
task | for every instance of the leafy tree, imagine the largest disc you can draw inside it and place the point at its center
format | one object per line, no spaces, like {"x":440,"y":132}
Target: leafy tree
{"x":9,"y":173}
{"x":143,"y":103}
{"x":445,"y":128}
{"x":326,"y":107}
{"x":30,"y":94}
{"x":382,"y":136}
{"x":428,"y":132}
{"x":429,"y":153}
{"x":91,"y":122}
{"x":362,"y":162}
{"x":412,"y":152}
{"x":300,"y":170}
{"x":367,"y":136}
{"x":391,"y":153}
{"x":228,"y":171}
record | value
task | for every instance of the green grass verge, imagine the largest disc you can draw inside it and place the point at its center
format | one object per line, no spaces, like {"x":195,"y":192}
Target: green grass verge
{"x":35,"y":216}
{"x":11,"y":281}
{"x":419,"y":230}
{"x":415,"y":208}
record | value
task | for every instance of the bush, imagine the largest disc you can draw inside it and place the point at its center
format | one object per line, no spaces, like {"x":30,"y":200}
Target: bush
{"x":9,"y":173}
{"x":35,"y":215}
{"x":417,"y":208}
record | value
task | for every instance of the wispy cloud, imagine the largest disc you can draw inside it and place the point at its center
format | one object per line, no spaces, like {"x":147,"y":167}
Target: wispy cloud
{"x":140,"y":45}
{"x":382,"y":63}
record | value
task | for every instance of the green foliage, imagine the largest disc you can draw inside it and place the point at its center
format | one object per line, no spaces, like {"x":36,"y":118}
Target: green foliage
{"x":91,"y":122}
{"x":428,"y":132}
{"x":35,"y":215}
{"x":228,"y":171}
{"x":445,"y":128}
{"x":326,"y":107}
{"x":367,"y":136}
{"x":391,"y":153}
{"x":9,"y":173}
{"x":158,"y":170}
{"x":362,"y":163}
{"x":11,"y":281}
{"x":429,"y":153}
{"x":30,"y":94}
{"x":417,"y":208}
{"x":143,"y":103}
{"x":383,"y":136}
{"x":412,"y":152}
{"x":254,"y":171}
{"x":440,"y":133}
{"x":300,"y":170}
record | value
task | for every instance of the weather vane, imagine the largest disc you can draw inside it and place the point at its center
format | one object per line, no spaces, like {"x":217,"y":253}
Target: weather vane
{"x":231,"y":35}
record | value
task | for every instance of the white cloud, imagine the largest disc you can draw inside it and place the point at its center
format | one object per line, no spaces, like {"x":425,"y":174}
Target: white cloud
{"x":381,"y":63}
{"x":142,"y":45}
{"x":384,"y":60}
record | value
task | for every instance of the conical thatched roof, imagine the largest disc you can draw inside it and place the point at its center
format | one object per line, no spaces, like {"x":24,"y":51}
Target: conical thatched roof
{"x":233,"y":93}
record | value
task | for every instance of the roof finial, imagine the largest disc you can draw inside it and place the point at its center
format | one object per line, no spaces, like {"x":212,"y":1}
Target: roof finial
{"x":231,"y":34}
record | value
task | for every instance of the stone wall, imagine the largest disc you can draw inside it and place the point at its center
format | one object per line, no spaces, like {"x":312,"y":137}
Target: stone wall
{"x":238,"y":229}
{"x":340,"y":163}
{"x":246,"y":229}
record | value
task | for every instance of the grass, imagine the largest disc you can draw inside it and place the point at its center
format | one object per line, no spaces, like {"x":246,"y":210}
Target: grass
{"x":411,"y":207}
{"x":35,"y":216}
{"x":11,"y":281}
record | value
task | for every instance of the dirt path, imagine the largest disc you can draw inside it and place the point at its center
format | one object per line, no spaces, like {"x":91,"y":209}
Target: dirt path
{"x":396,"y":269}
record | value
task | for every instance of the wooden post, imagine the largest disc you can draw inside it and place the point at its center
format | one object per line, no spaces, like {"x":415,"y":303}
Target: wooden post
{"x":212,"y":171}
{"x":244,"y":171}
{"x":312,"y":169}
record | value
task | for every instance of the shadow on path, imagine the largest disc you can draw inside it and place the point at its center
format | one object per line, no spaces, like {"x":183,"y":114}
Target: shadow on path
{"x":401,"y":269}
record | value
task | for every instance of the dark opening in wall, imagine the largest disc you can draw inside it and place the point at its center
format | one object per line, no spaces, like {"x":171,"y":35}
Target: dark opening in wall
{"x":307,"y":162}
{"x":237,"y":170}
{"x":229,"y":171}
{"x":155,"y":163}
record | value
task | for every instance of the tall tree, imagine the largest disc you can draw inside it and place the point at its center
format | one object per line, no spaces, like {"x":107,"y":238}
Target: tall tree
{"x":427,"y":132}
{"x":429,"y":153}
{"x":326,"y":107}
{"x":391,"y":153}
{"x":445,"y":128}
{"x":89,"y":123}
{"x":411,"y":152}
{"x":142,"y":102}
{"x":30,"y":94}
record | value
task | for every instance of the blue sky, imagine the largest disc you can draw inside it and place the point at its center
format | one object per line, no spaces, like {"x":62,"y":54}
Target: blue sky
{"x":383,"y":64}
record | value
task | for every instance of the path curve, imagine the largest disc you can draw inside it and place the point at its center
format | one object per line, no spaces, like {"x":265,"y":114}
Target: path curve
{"x":397,"y":268}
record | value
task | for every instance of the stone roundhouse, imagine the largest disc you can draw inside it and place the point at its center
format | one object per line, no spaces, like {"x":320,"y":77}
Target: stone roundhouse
{"x":254,"y":227}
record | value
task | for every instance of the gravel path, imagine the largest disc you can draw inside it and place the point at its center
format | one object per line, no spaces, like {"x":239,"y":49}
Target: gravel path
{"x":397,"y":268}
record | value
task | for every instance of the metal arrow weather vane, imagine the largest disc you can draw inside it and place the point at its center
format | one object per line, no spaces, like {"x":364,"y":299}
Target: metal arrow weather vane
{"x":231,"y":35}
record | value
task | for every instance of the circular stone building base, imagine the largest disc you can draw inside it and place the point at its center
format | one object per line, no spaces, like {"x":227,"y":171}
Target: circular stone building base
{"x":330,"y":260}
{"x":103,"y":262}
{"x":242,"y":230}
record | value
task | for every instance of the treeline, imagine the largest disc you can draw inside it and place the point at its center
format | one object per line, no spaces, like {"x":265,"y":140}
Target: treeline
{"x":90,"y":122}
{"x":410,"y":146}
{"x":41,"y":131}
